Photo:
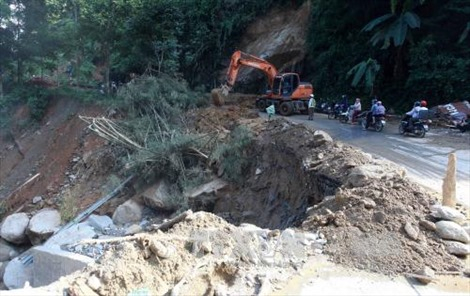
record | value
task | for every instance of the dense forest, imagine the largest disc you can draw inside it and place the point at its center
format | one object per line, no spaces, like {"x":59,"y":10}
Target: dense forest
{"x":398,"y":50}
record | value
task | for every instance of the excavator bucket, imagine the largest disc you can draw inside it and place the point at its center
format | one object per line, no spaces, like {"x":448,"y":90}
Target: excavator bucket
{"x":219,"y":95}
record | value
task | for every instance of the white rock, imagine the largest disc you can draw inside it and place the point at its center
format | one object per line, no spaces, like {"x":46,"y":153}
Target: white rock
{"x":37,"y":199}
{"x":457,"y":248}
{"x":128,"y":212}
{"x":72,"y":235}
{"x":17,"y":274}
{"x":93,"y":282}
{"x":100,"y":223}
{"x":452,"y":231}
{"x":411,"y":231}
{"x":364,"y":174}
{"x":321,"y":138}
{"x":447,"y":213}
{"x":14,"y":228}
{"x":42,"y":225}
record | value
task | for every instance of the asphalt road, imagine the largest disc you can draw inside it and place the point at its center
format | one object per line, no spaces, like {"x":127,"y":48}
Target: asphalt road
{"x":425,"y":159}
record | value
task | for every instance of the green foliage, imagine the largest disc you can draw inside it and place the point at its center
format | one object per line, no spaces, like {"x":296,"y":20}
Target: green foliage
{"x":365,"y":71}
{"x":232,"y":156}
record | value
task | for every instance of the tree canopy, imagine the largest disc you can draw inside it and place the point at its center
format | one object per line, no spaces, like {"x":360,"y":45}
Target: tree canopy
{"x":421,"y":47}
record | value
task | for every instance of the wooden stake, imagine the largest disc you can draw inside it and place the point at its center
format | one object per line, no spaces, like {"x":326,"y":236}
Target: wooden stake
{"x":449,"y":183}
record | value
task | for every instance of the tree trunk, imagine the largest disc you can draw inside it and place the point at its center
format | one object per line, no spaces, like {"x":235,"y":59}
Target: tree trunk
{"x":107,"y":63}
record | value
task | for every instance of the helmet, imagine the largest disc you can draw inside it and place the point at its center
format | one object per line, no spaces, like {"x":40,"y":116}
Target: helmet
{"x":416,"y":104}
{"x":423,"y":103}
{"x":374,"y":101}
{"x":311,"y":95}
{"x":379,"y":102}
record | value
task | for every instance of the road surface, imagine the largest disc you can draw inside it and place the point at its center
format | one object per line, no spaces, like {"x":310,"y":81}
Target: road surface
{"x":425,"y":159}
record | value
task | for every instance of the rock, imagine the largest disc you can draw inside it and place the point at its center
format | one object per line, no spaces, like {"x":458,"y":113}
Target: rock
{"x":133,"y":229}
{"x":258,"y":171}
{"x":158,"y":197}
{"x":6,"y":251}
{"x":321,"y":138}
{"x":368,"y":203}
{"x":457,"y":248}
{"x":428,"y":225}
{"x":37,"y":199}
{"x":452,"y":231}
{"x":14,"y":228}
{"x":72,"y":235}
{"x":3,"y":266}
{"x":379,"y":217}
{"x":467,"y":229}
{"x":100,"y":223}
{"x":94,"y":283}
{"x":128,"y":212}
{"x":364,"y":174}
{"x":42,"y":225}
{"x":411,"y":231}
{"x":447,"y":213}
{"x":17,"y":274}
{"x":425,"y":275}
{"x":212,"y":186}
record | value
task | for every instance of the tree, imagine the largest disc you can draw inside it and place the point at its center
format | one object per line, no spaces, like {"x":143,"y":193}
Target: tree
{"x":365,"y":71}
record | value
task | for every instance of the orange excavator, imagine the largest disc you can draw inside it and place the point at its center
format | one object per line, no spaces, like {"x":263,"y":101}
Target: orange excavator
{"x":285,"y":90}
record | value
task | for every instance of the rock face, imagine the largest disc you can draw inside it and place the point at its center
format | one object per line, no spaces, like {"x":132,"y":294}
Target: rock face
{"x":14,"y":228}
{"x":128,"y":212}
{"x":42,"y":225}
{"x":278,"y":38}
{"x":452,"y":231}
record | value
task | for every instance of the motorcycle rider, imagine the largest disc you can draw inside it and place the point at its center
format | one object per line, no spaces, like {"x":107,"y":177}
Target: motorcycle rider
{"x":370,"y":113}
{"x":379,"y":111}
{"x":356,"y":110}
{"x":413,"y":115}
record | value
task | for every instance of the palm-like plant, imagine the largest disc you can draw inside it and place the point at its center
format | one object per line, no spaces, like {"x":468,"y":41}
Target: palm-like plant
{"x":365,"y":71}
{"x":392,"y":27}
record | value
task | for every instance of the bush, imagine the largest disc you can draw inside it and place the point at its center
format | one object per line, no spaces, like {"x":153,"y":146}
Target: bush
{"x":232,"y":156}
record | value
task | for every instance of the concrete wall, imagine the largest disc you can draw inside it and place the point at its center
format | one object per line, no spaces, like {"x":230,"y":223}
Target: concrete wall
{"x":50,"y":263}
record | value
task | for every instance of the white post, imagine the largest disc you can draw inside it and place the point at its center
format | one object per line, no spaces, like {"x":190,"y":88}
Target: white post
{"x":449,"y":183}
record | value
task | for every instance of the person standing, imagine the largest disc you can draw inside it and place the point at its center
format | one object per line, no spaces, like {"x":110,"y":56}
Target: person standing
{"x":311,"y":107}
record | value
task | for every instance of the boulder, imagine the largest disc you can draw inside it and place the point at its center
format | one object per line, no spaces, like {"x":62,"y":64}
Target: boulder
{"x":3,"y":266}
{"x":100,"y":223}
{"x":457,"y":248}
{"x":321,"y":138}
{"x":452,"y":231}
{"x":14,"y":228}
{"x":158,"y":197}
{"x":428,"y":225}
{"x":447,"y":213}
{"x":17,"y":274}
{"x":7,"y":252}
{"x":128,"y":212}
{"x":364,"y":174}
{"x":425,"y":275}
{"x":43,"y":225}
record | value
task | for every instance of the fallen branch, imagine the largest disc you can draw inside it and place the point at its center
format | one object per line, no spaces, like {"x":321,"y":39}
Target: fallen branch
{"x":168,"y":224}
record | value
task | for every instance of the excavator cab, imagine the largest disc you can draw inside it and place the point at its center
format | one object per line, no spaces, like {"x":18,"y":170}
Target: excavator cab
{"x":285,"y":84}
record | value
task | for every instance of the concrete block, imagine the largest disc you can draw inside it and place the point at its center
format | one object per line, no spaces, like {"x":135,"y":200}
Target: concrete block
{"x":50,"y":263}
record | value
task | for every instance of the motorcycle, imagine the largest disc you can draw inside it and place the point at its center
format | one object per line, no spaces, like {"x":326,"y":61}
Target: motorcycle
{"x":346,"y":115}
{"x":418,"y":128}
{"x":378,"y":123}
{"x":333,"y":113}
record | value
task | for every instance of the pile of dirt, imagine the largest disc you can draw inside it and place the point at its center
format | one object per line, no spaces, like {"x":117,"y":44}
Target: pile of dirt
{"x":202,"y":255}
{"x":300,"y":177}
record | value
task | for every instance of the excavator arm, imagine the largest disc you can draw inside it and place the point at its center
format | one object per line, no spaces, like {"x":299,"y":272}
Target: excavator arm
{"x":240,"y":59}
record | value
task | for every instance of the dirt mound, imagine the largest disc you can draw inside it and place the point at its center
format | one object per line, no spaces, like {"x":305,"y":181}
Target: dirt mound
{"x":202,"y":255}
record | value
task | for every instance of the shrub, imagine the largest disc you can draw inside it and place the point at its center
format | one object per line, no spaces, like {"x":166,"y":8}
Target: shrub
{"x":232,"y":156}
